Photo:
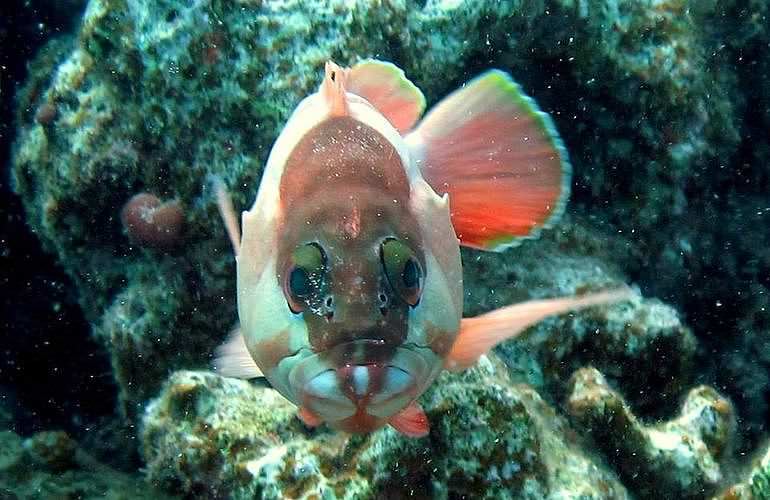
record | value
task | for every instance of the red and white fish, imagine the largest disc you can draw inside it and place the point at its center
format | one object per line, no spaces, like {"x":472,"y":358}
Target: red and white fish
{"x":350,"y":291}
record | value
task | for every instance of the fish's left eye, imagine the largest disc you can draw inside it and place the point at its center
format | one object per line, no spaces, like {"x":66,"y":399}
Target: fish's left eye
{"x":402,"y":270}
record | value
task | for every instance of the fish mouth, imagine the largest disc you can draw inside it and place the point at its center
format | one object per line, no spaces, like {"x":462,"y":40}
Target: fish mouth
{"x":365,"y":374}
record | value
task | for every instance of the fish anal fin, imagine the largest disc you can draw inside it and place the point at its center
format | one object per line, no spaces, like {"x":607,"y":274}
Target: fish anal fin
{"x":386,"y":87}
{"x":234,"y":360}
{"x":309,"y":418}
{"x":500,"y":159}
{"x":411,"y":421}
{"x":481,"y":333}
{"x":333,"y":89}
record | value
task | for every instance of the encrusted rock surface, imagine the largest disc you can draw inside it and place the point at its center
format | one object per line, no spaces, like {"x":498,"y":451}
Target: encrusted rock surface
{"x":642,"y":344}
{"x":207,"y":435}
{"x":680,"y":458}
{"x":51,"y":465}
{"x":756,"y":485}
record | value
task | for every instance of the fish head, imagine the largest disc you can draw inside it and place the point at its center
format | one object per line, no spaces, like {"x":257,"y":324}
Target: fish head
{"x":353,"y":268}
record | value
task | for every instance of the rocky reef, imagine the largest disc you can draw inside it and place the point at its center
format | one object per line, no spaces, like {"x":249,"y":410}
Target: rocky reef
{"x":50,"y":464}
{"x":680,"y":457}
{"x":151,"y":97}
{"x":212,"y":436}
{"x":756,"y":486}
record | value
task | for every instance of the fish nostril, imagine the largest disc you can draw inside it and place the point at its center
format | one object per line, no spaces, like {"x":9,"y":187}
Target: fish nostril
{"x":328,"y":307}
{"x":382,"y":300}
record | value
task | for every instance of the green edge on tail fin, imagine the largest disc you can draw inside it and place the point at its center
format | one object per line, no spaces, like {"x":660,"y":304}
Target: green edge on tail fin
{"x":547,"y":127}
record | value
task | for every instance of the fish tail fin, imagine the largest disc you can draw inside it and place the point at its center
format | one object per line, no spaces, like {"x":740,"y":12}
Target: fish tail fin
{"x":481,"y":333}
{"x":500,"y":159}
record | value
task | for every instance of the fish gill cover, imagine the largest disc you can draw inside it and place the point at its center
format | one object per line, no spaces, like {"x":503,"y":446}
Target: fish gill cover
{"x":663,"y":109}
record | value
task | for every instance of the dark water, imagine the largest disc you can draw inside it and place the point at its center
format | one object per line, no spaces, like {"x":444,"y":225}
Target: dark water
{"x":43,"y":376}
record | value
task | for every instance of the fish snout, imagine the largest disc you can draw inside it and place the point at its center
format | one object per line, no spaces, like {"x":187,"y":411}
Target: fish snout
{"x":359,"y":314}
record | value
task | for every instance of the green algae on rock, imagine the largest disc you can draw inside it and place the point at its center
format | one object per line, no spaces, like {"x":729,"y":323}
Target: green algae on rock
{"x":756,"y":486}
{"x":208,"y":435}
{"x":681,"y":458}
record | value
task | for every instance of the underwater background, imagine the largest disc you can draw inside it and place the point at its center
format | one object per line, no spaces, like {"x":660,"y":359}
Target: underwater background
{"x":105,"y":387}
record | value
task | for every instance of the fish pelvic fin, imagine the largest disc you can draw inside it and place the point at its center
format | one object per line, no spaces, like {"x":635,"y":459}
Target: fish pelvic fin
{"x":333,"y":89}
{"x":226,"y":211}
{"x":309,"y":418}
{"x":234,"y":360}
{"x":411,"y":421}
{"x":481,"y":333}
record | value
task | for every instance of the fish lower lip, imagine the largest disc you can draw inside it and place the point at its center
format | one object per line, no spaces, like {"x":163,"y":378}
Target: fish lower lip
{"x":357,"y":353}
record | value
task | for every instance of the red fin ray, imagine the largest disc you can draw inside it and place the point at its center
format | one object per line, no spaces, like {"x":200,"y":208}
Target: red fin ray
{"x":333,"y":89}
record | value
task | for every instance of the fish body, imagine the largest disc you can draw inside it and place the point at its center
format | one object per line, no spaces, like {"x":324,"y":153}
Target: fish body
{"x":349,"y":274}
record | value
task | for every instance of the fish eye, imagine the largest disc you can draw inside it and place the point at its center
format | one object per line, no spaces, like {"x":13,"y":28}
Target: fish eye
{"x":299,"y":282}
{"x":402,"y":270}
{"x":303,"y":279}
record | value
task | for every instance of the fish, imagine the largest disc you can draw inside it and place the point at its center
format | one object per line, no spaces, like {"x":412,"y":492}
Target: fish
{"x":349,"y":274}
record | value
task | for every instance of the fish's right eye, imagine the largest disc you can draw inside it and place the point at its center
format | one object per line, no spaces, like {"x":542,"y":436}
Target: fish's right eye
{"x":304,"y":276}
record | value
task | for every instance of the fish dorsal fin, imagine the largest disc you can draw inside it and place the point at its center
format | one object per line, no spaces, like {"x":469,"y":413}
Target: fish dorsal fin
{"x":386,"y":87}
{"x":500,"y":159}
{"x":333,"y":89}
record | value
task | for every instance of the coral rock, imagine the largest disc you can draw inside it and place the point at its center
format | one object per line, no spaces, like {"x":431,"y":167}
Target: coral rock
{"x":640,"y":343}
{"x":54,"y":450}
{"x":208,"y":435}
{"x":756,"y":486}
{"x":681,"y":458}
{"x":50,"y":464}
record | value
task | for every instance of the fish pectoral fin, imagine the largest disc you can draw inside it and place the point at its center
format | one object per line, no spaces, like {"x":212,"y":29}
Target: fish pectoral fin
{"x":500,"y":159}
{"x":481,"y":333}
{"x":234,"y":360}
{"x":309,"y":418}
{"x":386,"y":88}
{"x":411,"y":421}
{"x":226,"y":211}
